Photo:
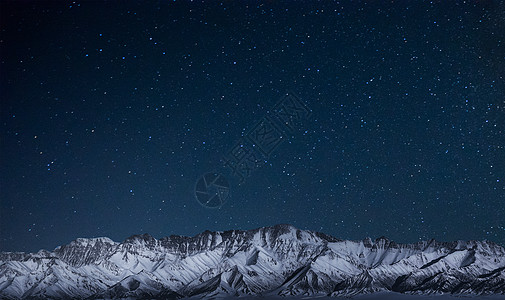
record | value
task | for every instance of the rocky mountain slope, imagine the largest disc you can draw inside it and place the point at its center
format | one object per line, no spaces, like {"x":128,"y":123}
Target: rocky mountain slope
{"x":278,"y":260}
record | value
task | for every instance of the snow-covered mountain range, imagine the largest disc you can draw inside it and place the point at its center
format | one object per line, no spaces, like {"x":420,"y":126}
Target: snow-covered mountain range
{"x":278,"y":260}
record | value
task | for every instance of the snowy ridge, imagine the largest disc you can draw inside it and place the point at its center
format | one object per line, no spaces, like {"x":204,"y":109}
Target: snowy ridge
{"x":278,"y":260}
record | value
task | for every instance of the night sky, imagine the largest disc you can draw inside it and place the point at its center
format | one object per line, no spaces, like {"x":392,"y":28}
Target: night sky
{"x":111,"y":111}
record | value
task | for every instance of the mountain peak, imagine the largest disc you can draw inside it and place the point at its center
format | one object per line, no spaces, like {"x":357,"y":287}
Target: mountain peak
{"x":87,"y":242}
{"x":145,"y":237}
{"x":268,"y":261}
{"x":284,"y":227}
{"x":381,"y":238}
{"x":95,"y":240}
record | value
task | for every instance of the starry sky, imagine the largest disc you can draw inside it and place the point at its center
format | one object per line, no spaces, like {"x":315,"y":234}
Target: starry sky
{"x":111,"y":111}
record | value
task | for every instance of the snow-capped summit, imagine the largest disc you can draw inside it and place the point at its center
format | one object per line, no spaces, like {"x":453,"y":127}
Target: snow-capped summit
{"x":280,"y":260}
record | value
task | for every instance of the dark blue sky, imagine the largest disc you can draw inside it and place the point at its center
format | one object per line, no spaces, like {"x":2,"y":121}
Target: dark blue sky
{"x":111,"y":111}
